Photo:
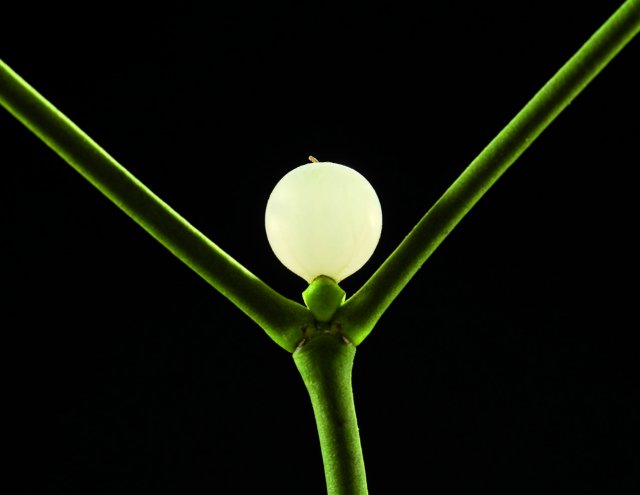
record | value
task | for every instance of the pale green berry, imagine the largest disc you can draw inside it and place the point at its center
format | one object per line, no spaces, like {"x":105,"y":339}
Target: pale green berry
{"x":323,"y":218}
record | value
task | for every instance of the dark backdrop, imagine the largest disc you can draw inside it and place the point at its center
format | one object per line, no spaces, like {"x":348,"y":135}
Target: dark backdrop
{"x":507,"y":364}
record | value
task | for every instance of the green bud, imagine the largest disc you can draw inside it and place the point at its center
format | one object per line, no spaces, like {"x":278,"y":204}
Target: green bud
{"x":323,"y":297}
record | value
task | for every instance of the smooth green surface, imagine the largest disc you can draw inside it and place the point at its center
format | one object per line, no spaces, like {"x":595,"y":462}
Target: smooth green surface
{"x":280,"y":317}
{"x":325,"y":364}
{"x":323,"y":297}
{"x":361,"y":312}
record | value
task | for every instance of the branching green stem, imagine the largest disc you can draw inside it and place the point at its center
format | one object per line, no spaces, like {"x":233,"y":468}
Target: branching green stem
{"x":365,"y":307}
{"x":279,"y":316}
{"x":325,"y":363}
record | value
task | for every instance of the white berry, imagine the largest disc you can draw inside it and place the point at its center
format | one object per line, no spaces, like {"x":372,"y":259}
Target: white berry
{"x":323,"y":218}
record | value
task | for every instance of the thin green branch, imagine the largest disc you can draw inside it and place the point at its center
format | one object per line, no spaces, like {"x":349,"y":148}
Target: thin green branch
{"x":360,"y":313}
{"x":280,"y":317}
{"x":325,"y":364}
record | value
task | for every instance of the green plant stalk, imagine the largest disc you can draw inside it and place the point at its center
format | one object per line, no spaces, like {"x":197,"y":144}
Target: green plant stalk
{"x":361,"y":312}
{"x":325,"y":363}
{"x":279,"y":316}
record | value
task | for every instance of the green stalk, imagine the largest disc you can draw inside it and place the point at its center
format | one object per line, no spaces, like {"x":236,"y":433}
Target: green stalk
{"x":361,"y":312}
{"x":279,"y":316}
{"x":325,"y":363}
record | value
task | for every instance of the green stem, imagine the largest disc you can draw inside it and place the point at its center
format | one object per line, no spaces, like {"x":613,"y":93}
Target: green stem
{"x":360,"y":313}
{"x":280,"y":317}
{"x":325,"y":363}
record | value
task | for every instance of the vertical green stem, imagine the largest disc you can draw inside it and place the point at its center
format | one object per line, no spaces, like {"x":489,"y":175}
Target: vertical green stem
{"x":325,"y":363}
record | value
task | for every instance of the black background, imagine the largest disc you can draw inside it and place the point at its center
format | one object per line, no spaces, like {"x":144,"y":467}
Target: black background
{"x":509,"y":362}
